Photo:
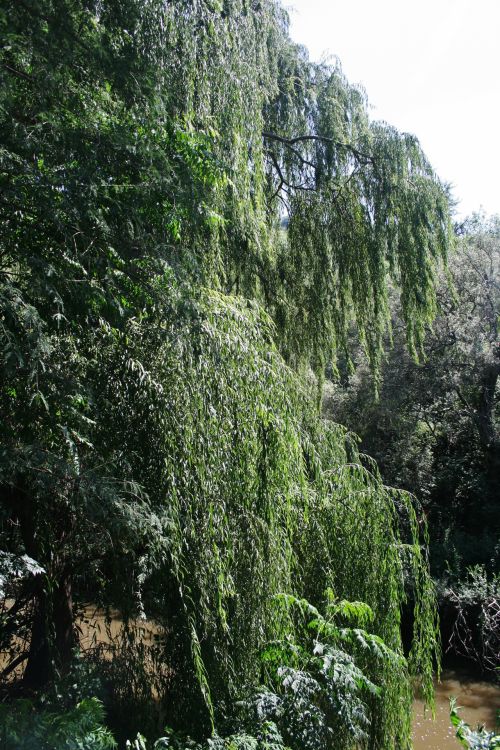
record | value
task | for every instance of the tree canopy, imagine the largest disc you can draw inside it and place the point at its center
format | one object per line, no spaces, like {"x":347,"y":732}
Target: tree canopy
{"x":192,"y":213}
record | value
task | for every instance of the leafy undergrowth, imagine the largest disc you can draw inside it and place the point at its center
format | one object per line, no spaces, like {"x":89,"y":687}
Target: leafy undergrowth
{"x":474,"y":739}
{"x":321,"y":689}
{"x":22,"y":727}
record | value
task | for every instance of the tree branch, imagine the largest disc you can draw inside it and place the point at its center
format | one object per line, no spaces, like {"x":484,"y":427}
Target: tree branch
{"x":18,"y":73}
{"x":282,"y":179}
{"x":13,"y":664}
{"x":290,"y":142}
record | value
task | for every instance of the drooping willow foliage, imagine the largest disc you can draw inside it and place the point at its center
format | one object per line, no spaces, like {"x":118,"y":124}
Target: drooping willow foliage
{"x":188,"y":132}
{"x":295,"y":140}
{"x":192,"y":213}
{"x":256,"y":497}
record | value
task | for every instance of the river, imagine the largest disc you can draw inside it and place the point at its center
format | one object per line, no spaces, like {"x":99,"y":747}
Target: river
{"x":480,"y":702}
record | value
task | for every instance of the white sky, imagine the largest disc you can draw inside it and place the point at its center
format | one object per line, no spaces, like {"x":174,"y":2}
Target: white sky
{"x":430,"y":67}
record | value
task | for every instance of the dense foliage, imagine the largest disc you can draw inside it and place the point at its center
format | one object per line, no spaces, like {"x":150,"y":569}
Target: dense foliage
{"x":192,"y":213}
{"x":23,"y":728}
{"x":439,"y":434}
{"x":435,"y":430}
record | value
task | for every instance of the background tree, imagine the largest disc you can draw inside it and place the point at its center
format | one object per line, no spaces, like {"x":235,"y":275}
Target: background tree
{"x":435,"y":428}
{"x":435,"y":431}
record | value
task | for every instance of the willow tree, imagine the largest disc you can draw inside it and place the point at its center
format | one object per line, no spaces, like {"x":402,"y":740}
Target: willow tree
{"x":192,"y":214}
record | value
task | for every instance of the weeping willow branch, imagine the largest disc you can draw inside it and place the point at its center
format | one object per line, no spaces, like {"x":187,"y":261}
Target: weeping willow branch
{"x":290,"y":142}
{"x":283,"y":182}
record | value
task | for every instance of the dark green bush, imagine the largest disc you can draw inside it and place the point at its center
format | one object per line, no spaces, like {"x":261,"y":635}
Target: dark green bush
{"x":23,"y":727}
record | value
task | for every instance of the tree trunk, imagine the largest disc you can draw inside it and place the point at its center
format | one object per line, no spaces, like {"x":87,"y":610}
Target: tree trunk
{"x":485,"y":407}
{"x":63,"y":623}
{"x":39,"y":667}
{"x":52,"y":634}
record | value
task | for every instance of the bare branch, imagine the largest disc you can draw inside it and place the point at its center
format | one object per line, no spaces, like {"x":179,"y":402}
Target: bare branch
{"x":18,"y":73}
{"x":290,"y":142}
{"x":282,"y":180}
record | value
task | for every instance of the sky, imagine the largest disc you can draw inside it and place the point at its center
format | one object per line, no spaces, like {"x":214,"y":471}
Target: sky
{"x":429,"y":67}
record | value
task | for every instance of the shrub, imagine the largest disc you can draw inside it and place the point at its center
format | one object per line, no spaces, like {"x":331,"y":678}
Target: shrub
{"x":23,"y":727}
{"x":475,"y":603}
{"x":479,"y":739}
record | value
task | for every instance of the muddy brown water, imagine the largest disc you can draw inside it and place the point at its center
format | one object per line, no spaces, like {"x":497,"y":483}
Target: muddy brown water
{"x":480,"y":702}
{"x":98,"y":630}
{"x":96,"y":627}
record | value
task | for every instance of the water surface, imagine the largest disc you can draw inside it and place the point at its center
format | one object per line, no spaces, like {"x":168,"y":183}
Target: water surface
{"x":480,"y":702}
